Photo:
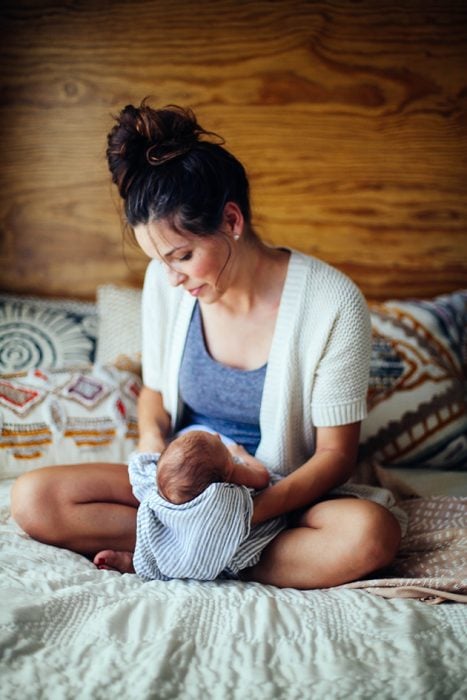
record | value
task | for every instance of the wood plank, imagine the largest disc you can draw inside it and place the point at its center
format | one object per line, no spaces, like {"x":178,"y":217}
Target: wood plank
{"x":350,"y":118}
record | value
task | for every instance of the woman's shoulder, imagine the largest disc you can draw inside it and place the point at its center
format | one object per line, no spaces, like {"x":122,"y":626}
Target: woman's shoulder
{"x":164,"y":306}
{"x":156,"y":281}
{"x":322,"y":280}
{"x":155,"y":274}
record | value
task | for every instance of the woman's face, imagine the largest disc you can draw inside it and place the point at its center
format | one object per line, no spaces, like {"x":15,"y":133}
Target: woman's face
{"x":199,"y":263}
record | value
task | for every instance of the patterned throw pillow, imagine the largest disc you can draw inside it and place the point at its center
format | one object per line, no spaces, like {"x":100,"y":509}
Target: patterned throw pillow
{"x":66,"y":417}
{"x":119,"y":311}
{"x":417,"y":396}
{"x":45,"y":333}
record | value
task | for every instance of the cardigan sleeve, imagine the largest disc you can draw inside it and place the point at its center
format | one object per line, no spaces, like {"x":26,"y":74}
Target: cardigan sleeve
{"x":340,"y":388}
{"x":166,"y":313}
{"x":152,"y":327}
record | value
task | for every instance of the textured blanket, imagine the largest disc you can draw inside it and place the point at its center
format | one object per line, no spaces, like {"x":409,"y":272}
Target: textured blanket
{"x":432,"y":561}
{"x":68,"y":630}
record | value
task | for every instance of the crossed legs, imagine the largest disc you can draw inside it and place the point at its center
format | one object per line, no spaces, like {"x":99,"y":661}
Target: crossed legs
{"x":90,"y":508}
{"x":82,"y":507}
{"x":335,"y":542}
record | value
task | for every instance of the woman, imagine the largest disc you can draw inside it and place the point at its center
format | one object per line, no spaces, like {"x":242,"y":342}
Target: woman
{"x":263,"y":344}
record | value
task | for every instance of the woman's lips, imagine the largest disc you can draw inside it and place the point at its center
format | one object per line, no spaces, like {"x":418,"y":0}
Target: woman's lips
{"x":196,"y":290}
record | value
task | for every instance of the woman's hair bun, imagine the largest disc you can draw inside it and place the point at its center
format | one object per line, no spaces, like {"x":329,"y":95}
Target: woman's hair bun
{"x":167,"y":167}
{"x":144,"y":137}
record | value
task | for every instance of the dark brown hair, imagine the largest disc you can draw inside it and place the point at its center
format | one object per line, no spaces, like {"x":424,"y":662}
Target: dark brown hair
{"x":166,"y":166}
{"x":188,"y":465}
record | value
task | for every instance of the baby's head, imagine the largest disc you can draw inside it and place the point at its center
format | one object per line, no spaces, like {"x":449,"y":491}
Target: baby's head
{"x":190,"y":463}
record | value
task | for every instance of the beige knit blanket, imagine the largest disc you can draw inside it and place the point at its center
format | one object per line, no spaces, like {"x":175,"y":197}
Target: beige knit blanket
{"x":432,"y":561}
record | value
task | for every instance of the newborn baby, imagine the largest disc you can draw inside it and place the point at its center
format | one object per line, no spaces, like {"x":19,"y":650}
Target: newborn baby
{"x":193,"y":522}
{"x":198,"y":458}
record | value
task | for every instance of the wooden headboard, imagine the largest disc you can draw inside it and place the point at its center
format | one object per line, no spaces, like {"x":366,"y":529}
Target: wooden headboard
{"x":351,"y":118}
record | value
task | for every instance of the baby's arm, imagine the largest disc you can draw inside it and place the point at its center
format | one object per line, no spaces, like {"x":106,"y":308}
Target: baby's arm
{"x":249,"y":471}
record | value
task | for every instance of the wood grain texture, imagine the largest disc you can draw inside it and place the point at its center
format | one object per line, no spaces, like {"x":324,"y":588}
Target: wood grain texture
{"x":350,"y":117}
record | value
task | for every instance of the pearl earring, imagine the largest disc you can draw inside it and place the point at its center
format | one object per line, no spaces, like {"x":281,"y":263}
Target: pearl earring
{"x":236,"y":236}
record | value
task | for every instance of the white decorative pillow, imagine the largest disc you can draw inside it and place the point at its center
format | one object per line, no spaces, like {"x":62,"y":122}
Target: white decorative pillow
{"x":119,"y":311}
{"x":51,"y":333}
{"x":66,"y":417}
{"x":417,"y":397}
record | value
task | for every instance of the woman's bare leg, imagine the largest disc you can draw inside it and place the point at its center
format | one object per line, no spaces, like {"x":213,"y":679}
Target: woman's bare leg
{"x":337,"y":541}
{"x":82,"y":507}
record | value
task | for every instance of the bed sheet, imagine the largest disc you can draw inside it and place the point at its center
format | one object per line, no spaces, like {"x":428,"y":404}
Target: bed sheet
{"x":68,"y":630}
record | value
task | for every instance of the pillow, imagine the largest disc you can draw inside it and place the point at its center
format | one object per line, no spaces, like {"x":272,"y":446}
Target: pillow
{"x":417,"y":398}
{"x":46,"y":333}
{"x":65,"y":417}
{"x":119,"y":311}
{"x":417,"y":404}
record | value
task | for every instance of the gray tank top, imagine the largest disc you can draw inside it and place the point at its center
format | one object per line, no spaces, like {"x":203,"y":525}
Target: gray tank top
{"x":226,"y":399}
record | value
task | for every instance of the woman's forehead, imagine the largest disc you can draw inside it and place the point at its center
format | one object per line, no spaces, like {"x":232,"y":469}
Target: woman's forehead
{"x":159,"y":239}
{"x":164,"y":235}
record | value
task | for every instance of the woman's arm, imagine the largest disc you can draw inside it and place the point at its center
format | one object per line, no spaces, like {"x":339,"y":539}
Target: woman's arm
{"x":331,"y":465}
{"x":250,"y":471}
{"x":153,"y":421}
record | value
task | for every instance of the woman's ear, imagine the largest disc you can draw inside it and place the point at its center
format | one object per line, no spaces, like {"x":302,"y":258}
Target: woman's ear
{"x":234,"y":220}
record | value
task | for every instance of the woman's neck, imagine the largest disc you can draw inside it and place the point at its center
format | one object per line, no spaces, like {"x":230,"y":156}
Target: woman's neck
{"x":258,"y":277}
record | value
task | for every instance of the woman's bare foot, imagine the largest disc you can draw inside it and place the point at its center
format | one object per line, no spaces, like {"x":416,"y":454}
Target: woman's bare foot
{"x":115,"y":561}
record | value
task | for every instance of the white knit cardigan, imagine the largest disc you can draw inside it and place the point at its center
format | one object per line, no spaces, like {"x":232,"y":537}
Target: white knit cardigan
{"x":318,"y":366}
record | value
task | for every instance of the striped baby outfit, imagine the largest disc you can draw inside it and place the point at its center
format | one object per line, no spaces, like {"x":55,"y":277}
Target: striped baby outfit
{"x":208,"y":537}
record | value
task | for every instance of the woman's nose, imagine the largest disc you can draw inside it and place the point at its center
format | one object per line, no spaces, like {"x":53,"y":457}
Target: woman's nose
{"x":175,"y":278}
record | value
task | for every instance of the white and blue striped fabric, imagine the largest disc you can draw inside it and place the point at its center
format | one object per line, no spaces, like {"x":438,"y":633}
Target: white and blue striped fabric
{"x":204,"y":539}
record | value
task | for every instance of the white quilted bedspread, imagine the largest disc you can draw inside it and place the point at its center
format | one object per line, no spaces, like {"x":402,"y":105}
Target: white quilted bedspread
{"x":70,"y":631}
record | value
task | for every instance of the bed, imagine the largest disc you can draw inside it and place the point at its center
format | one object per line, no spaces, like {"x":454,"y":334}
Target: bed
{"x":350,"y":119}
{"x":68,"y":391}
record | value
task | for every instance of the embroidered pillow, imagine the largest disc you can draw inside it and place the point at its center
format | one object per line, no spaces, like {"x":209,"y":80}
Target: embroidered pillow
{"x":417,"y":396}
{"x":119,"y":311}
{"x":65,"y":417}
{"x":45,"y":333}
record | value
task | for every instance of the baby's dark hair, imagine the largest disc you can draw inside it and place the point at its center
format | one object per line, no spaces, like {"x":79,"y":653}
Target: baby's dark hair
{"x":166,"y":166}
{"x":188,"y":466}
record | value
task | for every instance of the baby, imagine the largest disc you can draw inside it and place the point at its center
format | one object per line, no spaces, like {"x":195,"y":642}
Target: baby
{"x":193,"y":522}
{"x":199,"y":457}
